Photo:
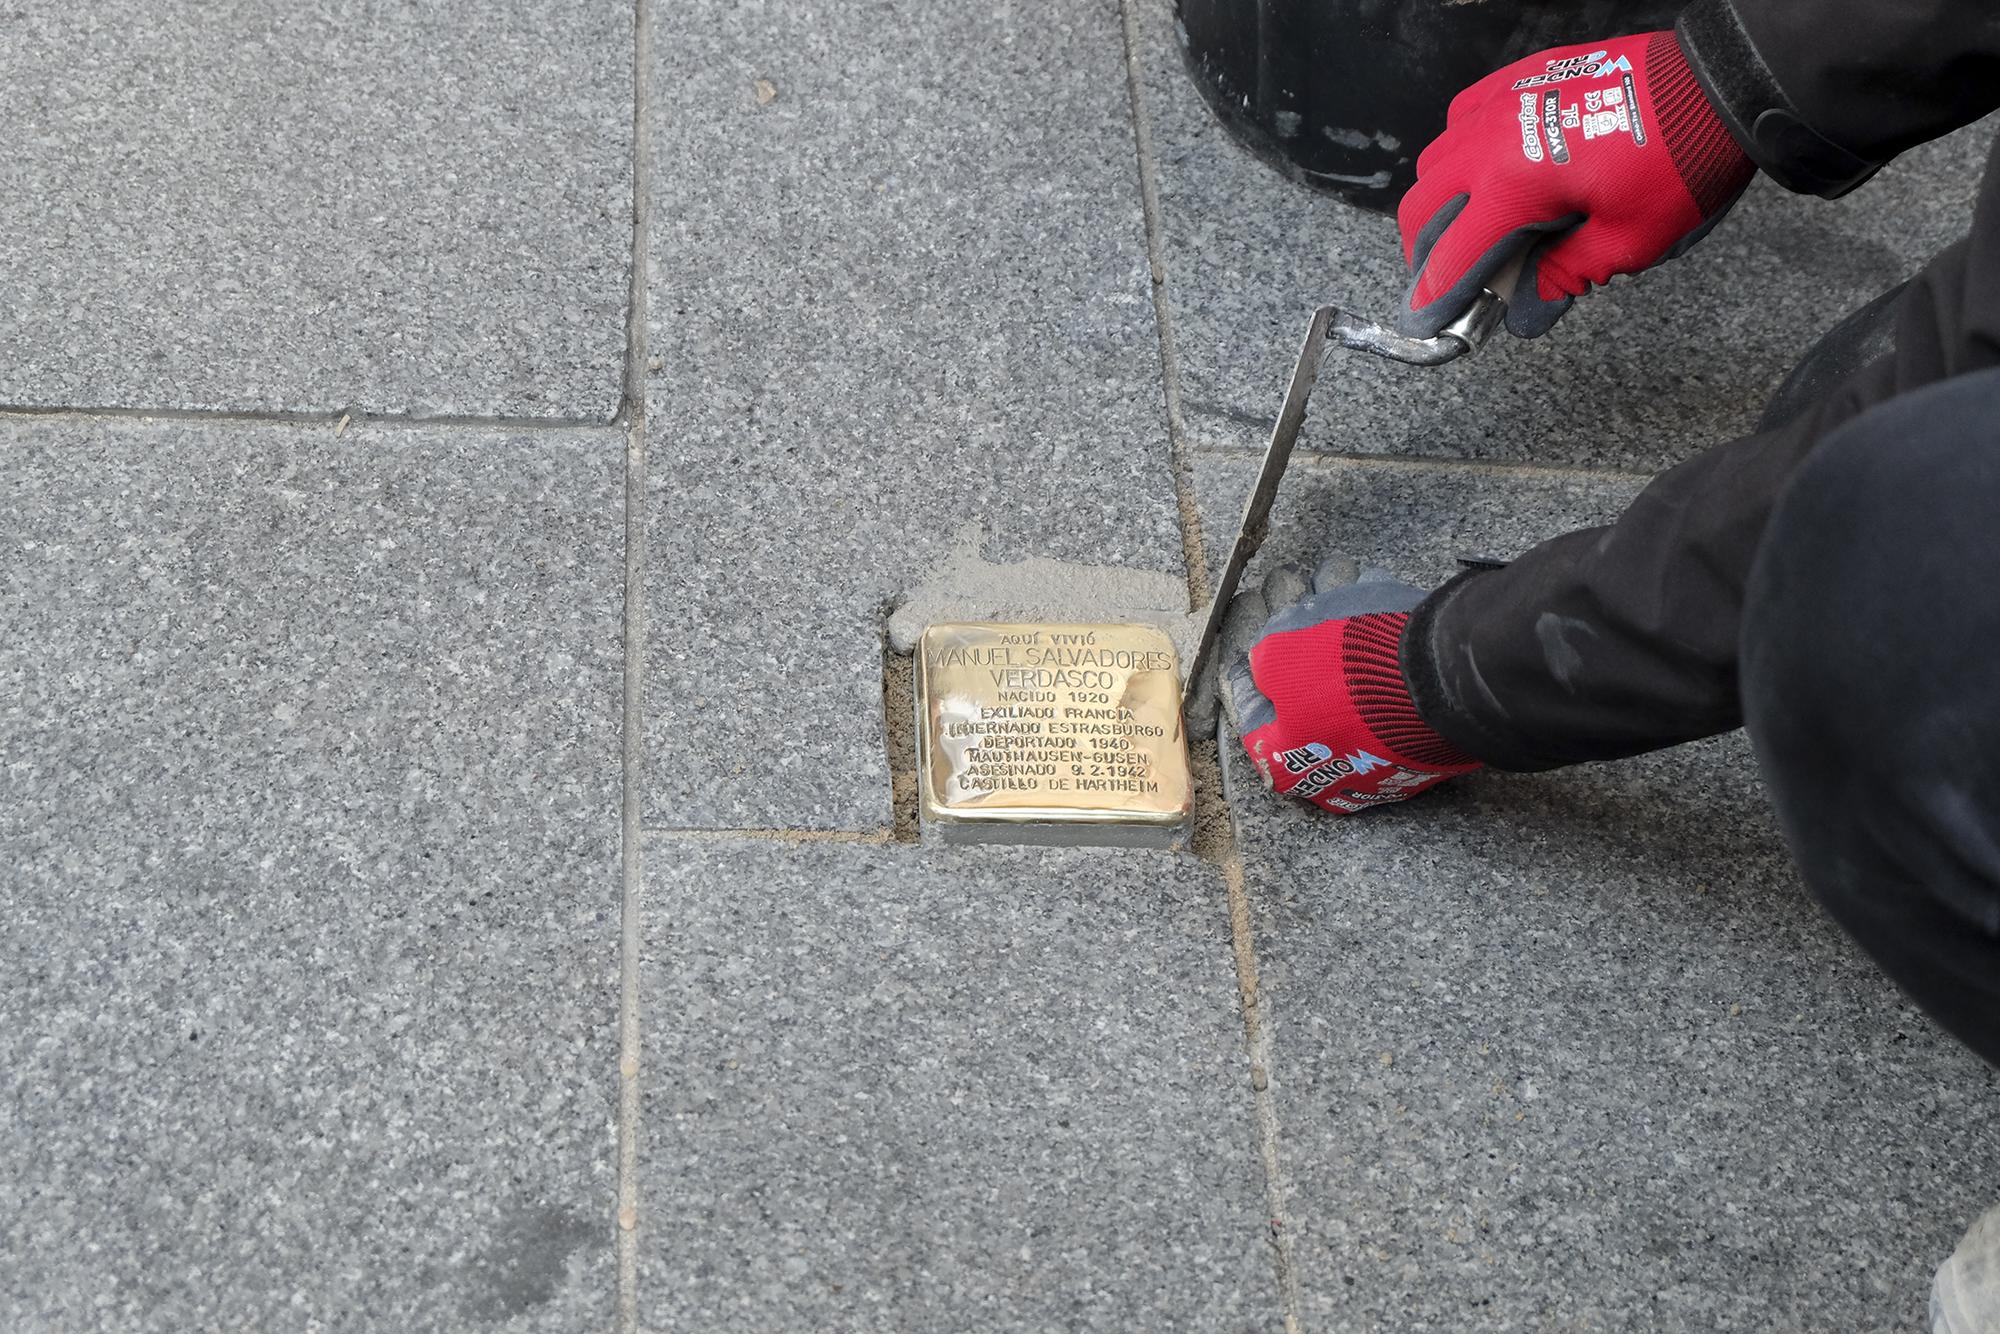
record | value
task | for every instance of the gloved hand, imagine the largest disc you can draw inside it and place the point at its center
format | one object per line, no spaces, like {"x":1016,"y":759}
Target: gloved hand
{"x":1319,"y":700}
{"x":1598,"y":159}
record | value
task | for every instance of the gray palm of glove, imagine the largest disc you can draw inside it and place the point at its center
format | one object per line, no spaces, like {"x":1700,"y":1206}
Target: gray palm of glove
{"x":1289,"y":598}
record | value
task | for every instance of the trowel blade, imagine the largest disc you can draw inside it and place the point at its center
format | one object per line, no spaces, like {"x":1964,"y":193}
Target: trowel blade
{"x":1257,"y":513}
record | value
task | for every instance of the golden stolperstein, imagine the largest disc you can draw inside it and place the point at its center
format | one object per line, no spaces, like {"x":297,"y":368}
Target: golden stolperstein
{"x":1051,"y":734}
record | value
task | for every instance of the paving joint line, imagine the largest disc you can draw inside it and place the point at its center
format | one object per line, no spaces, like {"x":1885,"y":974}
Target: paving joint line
{"x":631,"y":875}
{"x":632,"y":415}
{"x":1327,"y":459}
{"x":1219,"y":845}
{"x":353,"y":417}
{"x":769,"y":834}
{"x":1194,"y":554}
{"x":1263,"y":1101}
{"x":899,"y":742}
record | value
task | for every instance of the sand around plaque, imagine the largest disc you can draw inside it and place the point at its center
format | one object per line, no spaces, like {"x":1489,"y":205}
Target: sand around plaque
{"x":1051,"y":734}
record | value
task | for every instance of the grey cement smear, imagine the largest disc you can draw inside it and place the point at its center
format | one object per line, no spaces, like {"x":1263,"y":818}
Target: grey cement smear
{"x":966,"y":586}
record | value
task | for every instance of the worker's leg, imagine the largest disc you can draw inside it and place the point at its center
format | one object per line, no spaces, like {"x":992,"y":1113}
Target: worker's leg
{"x":1871,"y":690}
{"x":1870,"y":629}
{"x":1615,"y":640}
{"x":1842,"y":352}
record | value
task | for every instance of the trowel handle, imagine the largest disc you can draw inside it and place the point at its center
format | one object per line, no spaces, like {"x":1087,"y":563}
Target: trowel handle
{"x":1483,"y":317}
{"x":1467,"y":333}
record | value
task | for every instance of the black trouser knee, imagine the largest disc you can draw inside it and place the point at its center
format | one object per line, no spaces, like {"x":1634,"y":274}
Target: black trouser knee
{"x":1870,"y":674}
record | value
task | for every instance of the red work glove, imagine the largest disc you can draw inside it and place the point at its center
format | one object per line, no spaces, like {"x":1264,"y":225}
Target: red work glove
{"x":1320,"y":701}
{"x":1597,"y":159}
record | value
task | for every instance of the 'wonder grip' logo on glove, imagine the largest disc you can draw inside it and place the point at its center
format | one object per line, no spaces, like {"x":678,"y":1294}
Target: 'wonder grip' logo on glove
{"x":1322,"y":707}
{"x":1591,"y":66}
{"x":1397,"y":784}
{"x":1303,"y":759}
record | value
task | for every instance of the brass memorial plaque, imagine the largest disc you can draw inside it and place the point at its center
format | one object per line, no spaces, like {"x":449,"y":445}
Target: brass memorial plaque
{"x":1051,"y":734}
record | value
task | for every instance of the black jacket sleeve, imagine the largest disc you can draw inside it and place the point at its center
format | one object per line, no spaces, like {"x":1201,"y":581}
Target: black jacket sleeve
{"x":1821,"y":93}
{"x":1610,"y":641}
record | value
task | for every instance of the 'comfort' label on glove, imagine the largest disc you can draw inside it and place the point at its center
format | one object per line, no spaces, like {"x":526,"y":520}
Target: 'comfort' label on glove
{"x":1063,"y":724}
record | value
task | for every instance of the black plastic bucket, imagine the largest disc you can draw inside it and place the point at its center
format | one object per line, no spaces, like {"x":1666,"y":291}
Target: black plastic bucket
{"x":1343,"y":94}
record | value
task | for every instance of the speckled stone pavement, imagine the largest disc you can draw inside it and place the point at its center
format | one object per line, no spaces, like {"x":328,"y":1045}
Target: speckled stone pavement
{"x":456,"y":465}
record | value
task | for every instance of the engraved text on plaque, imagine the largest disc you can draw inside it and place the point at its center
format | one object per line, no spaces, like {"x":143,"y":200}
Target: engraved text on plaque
{"x":1051,"y":733}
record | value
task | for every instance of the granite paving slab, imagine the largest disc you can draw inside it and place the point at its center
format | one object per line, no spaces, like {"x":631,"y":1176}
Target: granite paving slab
{"x":309,"y":814}
{"x":899,"y":288}
{"x":900,"y":1087}
{"x":1638,"y":375}
{"x":403,"y":209}
{"x":1413,"y":517}
{"x":1576,"y":1050}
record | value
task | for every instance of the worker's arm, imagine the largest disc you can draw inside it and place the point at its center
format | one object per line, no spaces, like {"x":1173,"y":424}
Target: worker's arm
{"x":1821,"y":93}
{"x":1609,"y":157}
{"x":1620,"y":639}
{"x":1625,"y":638}
{"x":1600,"y":643}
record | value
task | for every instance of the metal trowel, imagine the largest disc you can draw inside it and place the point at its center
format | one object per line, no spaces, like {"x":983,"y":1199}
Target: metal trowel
{"x":1332,"y":327}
